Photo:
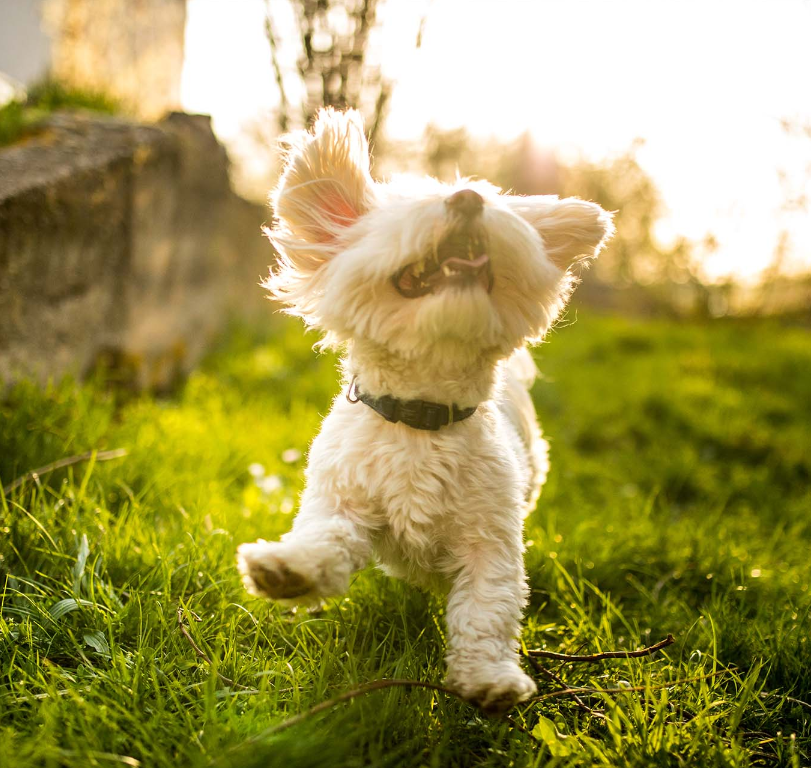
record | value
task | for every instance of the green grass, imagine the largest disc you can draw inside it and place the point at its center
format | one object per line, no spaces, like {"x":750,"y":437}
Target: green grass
{"x":678,"y":502}
{"x":19,"y":119}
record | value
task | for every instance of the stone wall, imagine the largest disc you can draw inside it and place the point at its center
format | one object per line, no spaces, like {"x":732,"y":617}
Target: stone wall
{"x":122,"y":242}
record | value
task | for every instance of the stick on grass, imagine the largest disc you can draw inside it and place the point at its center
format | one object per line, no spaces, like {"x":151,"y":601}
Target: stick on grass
{"x":555,"y":678}
{"x":594,"y":657}
{"x":629,"y":689}
{"x":379,"y":685}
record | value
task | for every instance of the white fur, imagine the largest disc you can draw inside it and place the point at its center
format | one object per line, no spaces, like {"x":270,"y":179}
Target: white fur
{"x":440,"y":509}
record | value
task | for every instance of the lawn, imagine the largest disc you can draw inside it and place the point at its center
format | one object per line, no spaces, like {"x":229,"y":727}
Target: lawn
{"x":679,"y":502}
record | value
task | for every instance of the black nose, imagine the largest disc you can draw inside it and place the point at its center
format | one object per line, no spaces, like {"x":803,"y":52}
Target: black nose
{"x":466,"y":203}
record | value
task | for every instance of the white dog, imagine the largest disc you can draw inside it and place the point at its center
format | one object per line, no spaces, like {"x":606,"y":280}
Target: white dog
{"x":433,"y":457}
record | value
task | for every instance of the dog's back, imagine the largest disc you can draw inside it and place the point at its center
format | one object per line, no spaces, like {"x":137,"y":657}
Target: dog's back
{"x":516,"y":404}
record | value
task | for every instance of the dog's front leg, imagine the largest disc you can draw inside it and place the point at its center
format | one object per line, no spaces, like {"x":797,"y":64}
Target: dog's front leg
{"x":484,"y":612}
{"x":313,"y":561}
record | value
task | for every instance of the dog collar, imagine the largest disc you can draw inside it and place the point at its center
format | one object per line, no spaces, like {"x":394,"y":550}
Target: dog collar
{"x":418,"y":414}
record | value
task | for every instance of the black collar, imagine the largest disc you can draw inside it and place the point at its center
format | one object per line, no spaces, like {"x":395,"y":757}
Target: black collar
{"x":419,"y":414}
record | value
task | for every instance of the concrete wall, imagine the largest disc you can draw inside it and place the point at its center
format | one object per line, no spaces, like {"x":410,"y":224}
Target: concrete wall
{"x":122,"y":243}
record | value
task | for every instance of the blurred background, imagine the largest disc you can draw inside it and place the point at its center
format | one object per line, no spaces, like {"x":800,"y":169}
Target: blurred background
{"x":129,"y":221}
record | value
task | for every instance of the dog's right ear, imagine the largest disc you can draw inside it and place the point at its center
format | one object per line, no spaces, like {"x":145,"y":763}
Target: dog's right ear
{"x":324,"y":189}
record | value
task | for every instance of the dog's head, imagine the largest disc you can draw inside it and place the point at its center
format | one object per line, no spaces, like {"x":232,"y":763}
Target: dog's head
{"x":414,"y":263}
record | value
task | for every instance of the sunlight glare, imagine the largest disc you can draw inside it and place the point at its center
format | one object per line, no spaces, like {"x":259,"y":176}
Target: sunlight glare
{"x":706,"y":86}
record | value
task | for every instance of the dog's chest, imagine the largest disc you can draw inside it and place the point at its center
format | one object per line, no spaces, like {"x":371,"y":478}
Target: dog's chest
{"x":424,"y":497}
{"x":408,"y":484}
{"x":415,"y":483}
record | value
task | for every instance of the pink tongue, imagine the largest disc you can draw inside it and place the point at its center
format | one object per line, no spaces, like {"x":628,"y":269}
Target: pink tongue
{"x":464,"y":265}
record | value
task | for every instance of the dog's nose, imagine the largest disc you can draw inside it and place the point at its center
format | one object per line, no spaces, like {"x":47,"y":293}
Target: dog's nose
{"x":466,"y":203}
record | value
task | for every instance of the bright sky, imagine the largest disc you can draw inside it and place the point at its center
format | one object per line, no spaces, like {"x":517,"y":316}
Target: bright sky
{"x":705,"y":84}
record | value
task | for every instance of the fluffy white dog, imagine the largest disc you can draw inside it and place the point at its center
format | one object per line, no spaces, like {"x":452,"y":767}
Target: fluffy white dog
{"x":432,"y":457}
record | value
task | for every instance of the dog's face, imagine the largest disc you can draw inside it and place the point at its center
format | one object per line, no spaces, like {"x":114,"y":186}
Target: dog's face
{"x":414,"y":263}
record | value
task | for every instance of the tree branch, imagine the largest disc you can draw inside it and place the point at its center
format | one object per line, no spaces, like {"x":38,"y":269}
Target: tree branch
{"x":284,"y":107}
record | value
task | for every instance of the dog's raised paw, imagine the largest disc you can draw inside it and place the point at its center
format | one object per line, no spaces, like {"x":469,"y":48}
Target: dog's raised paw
{"x":279,"y":582}
{"x":265,"y":572}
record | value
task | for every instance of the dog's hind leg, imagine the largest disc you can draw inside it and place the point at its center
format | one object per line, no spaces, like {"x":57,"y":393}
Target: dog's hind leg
{"x":315,"y":560}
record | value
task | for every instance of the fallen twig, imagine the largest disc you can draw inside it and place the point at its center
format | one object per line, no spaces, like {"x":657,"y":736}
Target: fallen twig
{"x":587,"y":658}
{"x":201,"y":654}
{"x":629,"y":689}
{"x":378,"y":685}
{"x":117,"y":453}
{"x":770,"y":695}
{"x":375,"y":685}
{"x":555,"y":678}
{"x":576,"y":650}
{"x":566,"y":657}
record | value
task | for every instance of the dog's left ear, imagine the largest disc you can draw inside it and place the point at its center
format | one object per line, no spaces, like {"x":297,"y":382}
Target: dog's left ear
{"x":572,"y":230}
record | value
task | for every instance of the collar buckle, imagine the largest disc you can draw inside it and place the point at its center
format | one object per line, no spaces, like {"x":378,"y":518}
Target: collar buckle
{"x":352,"y":392}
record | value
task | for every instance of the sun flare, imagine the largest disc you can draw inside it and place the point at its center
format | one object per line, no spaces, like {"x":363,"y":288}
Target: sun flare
{"x":707,"y":87}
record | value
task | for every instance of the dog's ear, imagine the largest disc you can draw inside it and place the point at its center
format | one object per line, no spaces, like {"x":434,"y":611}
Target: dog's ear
{"x":325,"y":188}
{"x":326,"y":184}
{"x":572,"y":230}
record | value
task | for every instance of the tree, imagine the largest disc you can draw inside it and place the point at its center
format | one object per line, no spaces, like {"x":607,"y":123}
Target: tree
{"x":333,"y":61}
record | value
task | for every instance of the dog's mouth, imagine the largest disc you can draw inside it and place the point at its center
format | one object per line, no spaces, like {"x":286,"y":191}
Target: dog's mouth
{"x":460,"y":259}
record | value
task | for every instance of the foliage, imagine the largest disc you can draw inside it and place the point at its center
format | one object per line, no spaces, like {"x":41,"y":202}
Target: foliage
{"x":519,"y":167}
{"x":18,"y":119}
{"x":333,"y":63}
{"x":50,"y":95}
{"x":635,"y":255}
{"x":678,"y":502}
{"x":13,"y":122}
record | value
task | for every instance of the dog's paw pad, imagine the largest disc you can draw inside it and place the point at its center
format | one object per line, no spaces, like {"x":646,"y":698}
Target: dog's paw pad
{"x":266,"y":574}
{"x":279,"y":582}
